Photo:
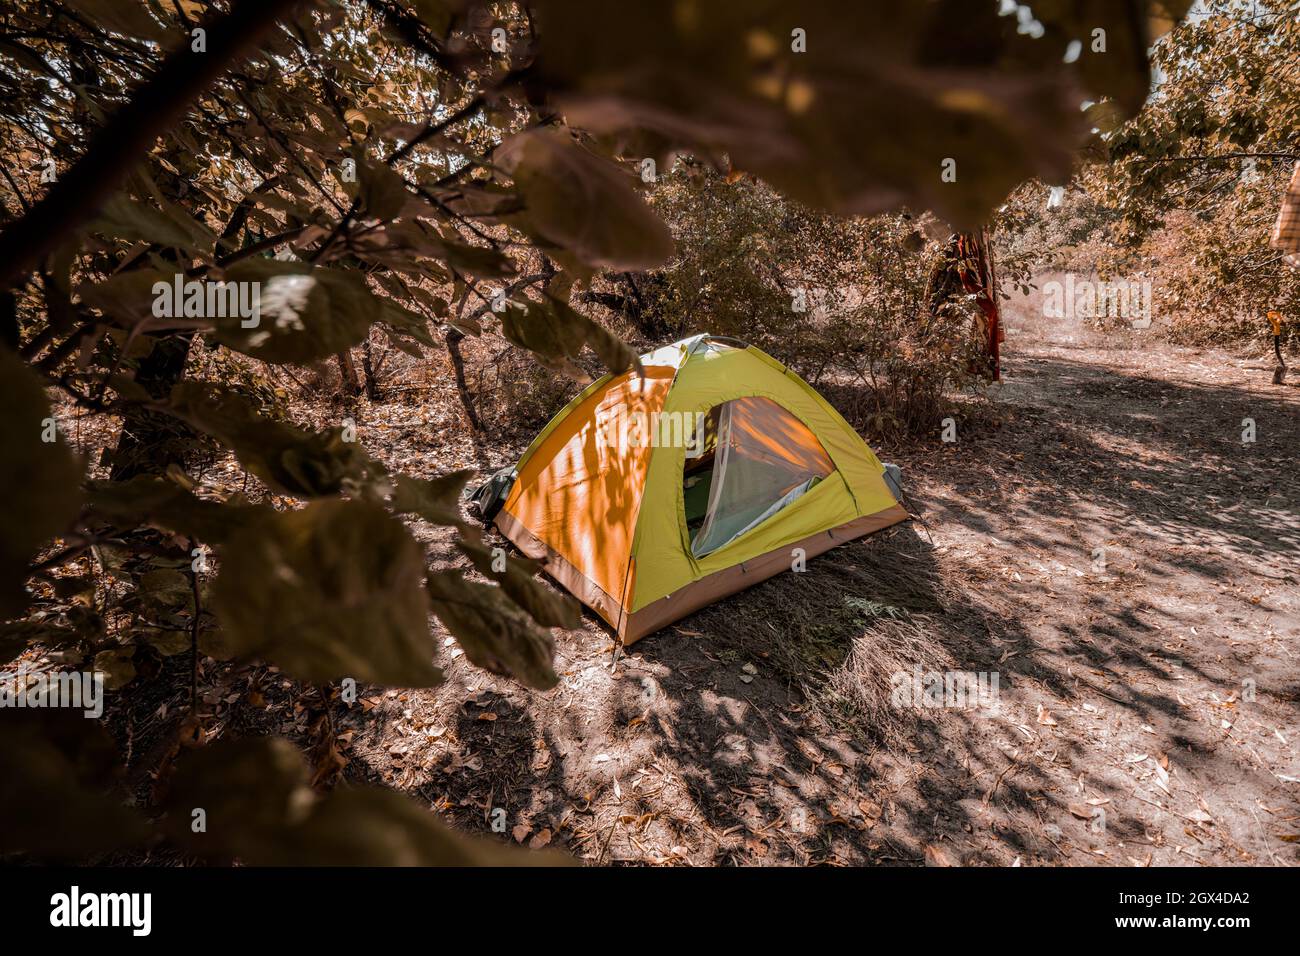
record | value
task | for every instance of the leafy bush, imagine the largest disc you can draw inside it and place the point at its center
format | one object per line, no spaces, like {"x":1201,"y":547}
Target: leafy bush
{"x":1194,"y":182}
{"x":516,"y":395}
{"x":841,"y":301}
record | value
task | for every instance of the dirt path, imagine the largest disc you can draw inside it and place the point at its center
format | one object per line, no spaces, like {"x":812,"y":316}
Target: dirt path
{"x":1148,"y":560}
{"x":1107,"y":546}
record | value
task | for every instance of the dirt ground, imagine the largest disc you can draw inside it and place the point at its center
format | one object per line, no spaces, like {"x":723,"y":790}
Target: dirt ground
{"x":1099,"y":537}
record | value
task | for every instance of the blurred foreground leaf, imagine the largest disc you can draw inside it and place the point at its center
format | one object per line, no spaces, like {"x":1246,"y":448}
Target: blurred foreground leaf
{"x":555,"y":333}
{"x":330,"y":591}
{"x":289,"y":459}
{"x":852,"y":108}
{"x":583,"y":203}
{"x":260,"y":810}
{"x":518,"y":578}
{"x":494,"y":632}
{"x":436,"y":500}
{"x":305,"y":313}
{"x":162,"y":504}
{"x":56,"y":791}
{"x":38,"y":479}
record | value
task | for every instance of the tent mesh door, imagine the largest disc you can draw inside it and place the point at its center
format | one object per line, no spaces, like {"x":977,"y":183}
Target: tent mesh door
{"x":765,"y":459}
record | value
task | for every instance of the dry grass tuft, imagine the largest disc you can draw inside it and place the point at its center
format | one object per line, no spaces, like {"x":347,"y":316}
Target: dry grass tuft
{"x":841,"y":630}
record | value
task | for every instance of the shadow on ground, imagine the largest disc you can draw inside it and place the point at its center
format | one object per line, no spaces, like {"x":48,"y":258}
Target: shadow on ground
{"x":1106,"y":546}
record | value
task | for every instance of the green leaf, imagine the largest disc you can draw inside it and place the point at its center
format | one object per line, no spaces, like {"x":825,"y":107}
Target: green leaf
{"x":169,"y":226}
{"x":583,"y":203}
{"x":56,"y":799}
{"x":495,"y":633}
{"x":556,"y":333}
{"x":305,"y":312}
{"x":159,"y":503}
{"x":383,"y":192}
{"x":260,"y":810}
{"x":292,"y":461}
{"x":865,"y":117}
{"x":436,"y":500}
{"x":39,"y":481}
{"x":327,"y":592}
{"x":518,"y":579}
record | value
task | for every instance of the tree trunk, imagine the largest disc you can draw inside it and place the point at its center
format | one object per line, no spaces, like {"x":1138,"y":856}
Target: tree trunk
{"x":348,"y":369}
{"x":368,"y":366}
{"x":462,"y":387}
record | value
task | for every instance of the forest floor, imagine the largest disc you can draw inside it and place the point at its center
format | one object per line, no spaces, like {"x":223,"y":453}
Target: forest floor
{"x":1100,"y":538}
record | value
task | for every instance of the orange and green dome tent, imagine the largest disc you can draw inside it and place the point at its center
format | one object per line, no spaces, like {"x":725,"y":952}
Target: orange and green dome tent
{"x":655,"y":493}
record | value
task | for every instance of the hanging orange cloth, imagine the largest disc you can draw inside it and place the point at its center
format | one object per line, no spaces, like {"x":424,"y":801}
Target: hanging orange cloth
{"x":975,"y":268}
{"x":1286,"y":233}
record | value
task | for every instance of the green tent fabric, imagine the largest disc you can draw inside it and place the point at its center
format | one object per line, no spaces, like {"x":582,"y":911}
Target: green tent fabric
{"x":732,"y":468}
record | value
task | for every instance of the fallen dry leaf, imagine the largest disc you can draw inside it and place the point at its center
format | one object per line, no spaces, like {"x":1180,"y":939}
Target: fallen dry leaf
{"x":936,"y":857}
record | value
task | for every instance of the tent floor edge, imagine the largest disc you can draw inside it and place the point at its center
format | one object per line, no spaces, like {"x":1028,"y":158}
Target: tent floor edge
{"x":558,"y":567}
{"x":721,"y":584}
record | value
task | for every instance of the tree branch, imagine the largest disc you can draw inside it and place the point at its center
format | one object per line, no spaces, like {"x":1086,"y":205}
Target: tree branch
{"x":183,"y":76}
{"x":1214,"y":156}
